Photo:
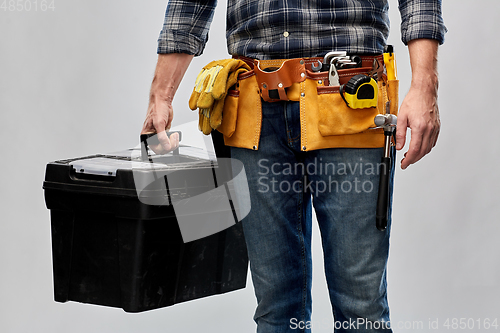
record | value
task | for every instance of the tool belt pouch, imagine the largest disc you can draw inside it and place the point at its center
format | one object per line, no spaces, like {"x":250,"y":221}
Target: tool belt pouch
{"x":327,"y":122}
{"x":271,"y":81}
{"x":242,"y":113}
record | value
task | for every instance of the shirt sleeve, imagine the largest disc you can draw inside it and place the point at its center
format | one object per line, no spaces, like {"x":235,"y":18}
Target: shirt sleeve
{"x":421,"y":19}
{"x":186,"y":25}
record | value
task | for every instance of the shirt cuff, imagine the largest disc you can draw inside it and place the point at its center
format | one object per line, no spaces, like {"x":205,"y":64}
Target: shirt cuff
{"x":422,"y":20}
{"x":177,"y":41}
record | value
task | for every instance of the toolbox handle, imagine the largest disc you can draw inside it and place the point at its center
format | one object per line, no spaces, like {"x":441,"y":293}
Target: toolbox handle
{"x":153,"y":139}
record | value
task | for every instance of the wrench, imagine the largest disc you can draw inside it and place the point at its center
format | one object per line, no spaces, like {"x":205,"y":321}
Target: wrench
{"x":328,"y":57}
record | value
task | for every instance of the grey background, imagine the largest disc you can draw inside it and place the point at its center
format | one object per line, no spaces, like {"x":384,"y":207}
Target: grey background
{"x":75,"y":81}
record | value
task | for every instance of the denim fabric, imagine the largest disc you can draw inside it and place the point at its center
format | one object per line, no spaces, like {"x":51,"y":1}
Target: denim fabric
{"x":342,"y":185}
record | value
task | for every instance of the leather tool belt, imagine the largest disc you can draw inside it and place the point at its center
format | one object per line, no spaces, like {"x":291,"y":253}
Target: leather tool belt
{"x":326,"y":120}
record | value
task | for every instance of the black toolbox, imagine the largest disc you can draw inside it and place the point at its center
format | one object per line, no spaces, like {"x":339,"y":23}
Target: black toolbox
{"x":115,"y":245}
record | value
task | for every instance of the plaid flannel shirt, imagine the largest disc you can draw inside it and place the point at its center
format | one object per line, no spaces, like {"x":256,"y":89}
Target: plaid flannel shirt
{"x":292,"y":28}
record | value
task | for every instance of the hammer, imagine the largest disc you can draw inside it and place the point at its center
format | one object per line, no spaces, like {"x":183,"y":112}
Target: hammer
{"x":388,"y":122}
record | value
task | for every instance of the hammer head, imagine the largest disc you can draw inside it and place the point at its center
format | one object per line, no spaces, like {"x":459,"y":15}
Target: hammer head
{"x":385,"y":120}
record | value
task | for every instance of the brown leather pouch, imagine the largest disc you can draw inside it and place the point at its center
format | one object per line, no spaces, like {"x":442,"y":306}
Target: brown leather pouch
{"x":274,"y":77}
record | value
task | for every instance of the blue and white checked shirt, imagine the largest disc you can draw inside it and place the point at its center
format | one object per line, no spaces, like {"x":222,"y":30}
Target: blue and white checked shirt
{"x":271,"y":29}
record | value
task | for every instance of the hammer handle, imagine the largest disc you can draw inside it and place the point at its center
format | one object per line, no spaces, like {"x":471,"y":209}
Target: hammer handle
{"x":383,"y":194}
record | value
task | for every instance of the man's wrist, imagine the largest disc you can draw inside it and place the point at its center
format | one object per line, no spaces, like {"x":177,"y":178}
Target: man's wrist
{"x":164,"y":92}
{"x":427,"y":82}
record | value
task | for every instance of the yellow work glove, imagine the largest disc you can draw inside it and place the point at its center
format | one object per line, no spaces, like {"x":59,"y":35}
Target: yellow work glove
{"x":211,"y":88}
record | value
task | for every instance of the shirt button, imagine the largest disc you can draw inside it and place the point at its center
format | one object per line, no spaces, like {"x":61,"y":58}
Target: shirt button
{"x":286,"y":34}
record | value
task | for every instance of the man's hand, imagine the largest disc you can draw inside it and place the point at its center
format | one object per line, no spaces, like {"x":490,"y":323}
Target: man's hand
{"x":158,"y":120}
{"x":168,"y":74}
{"x":419,"y":110}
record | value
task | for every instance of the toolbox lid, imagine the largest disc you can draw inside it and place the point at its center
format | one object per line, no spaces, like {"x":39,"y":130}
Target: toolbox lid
{"x":200,"y":188}
{"x":107,"y":165}
{"x":113,"y":173}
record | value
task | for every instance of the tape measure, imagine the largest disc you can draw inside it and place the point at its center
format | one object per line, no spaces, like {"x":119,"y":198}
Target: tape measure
{"x":360,"y":92}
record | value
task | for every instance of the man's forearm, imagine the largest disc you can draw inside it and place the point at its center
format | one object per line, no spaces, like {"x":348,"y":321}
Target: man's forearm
{"x":419,"y":110}
{"x":170,"y":70}
{"x":423,"y":60}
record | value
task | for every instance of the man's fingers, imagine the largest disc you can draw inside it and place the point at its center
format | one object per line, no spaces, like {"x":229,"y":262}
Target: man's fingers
{"x":148,"y":126}
{"x":414,"y":151}
{"x":421,"y":143}
{"x":401,"y":132}
{"x":174,"y":141}
{"x":177,"y":140}
{"x":435,"y":137}
{"x":164,"y":141}
{"x":169,"y":122}
{"x":167,"y":144}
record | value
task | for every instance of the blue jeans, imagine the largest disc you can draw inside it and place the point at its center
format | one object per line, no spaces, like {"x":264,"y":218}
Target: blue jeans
{"x":343,"y":186}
